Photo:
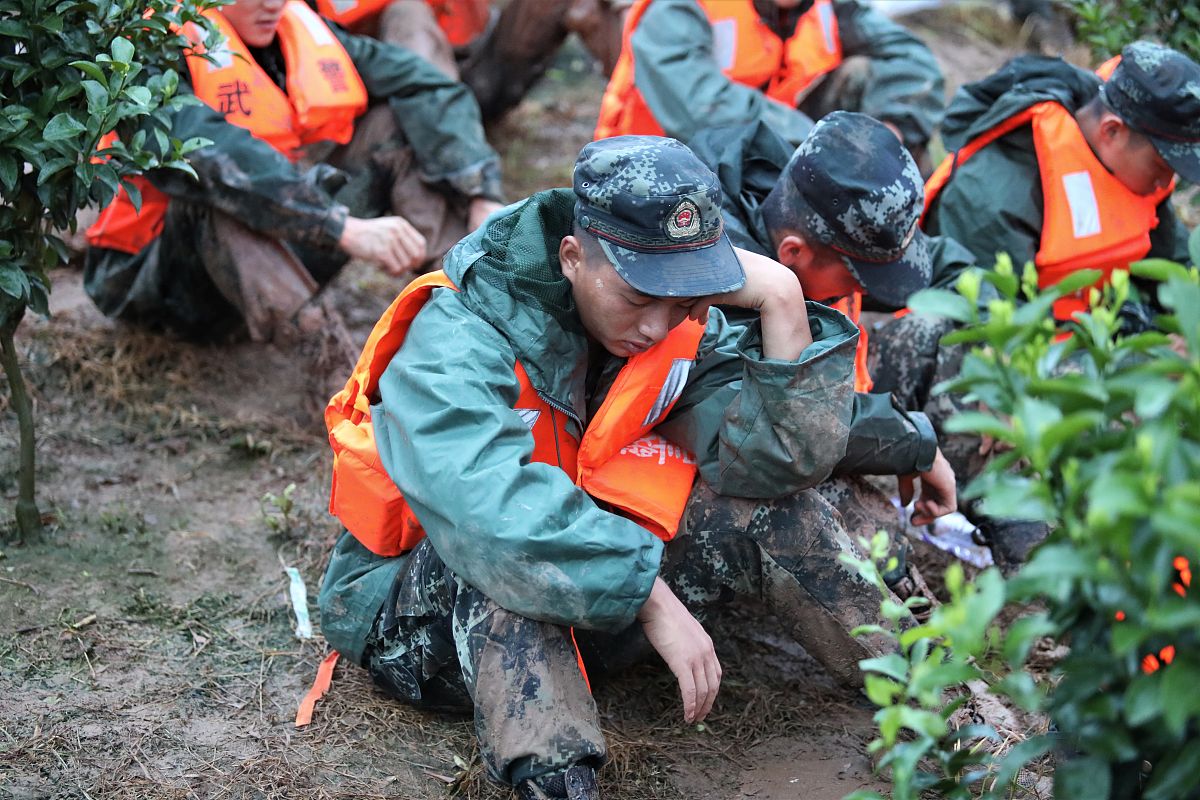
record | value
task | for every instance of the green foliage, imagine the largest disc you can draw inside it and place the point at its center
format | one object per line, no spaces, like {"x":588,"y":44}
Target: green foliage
{"x":279,"y":511}
{"x":920,"y":686}
{"x":1108,"y":25}
{"x":70,"y":72}
{"x":1104,"y":431}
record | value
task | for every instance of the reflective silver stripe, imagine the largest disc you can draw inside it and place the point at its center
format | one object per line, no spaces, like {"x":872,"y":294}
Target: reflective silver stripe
{"x":825,"y":14}
{"x":672,"y":388}
{"x":1081,"y":199}
{"x":318,"y":30}
{"x":342,"y":6}
{"x":724,"y":42}
{"x":529,"y":416}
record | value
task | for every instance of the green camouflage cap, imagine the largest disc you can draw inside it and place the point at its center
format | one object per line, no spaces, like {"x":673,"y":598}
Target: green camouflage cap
{"x":1156,"y":91}
{"x":854,"y":188}
{"x":656,"y":210}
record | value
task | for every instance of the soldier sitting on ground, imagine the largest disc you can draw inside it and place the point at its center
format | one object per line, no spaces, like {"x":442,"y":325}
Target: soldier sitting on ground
{"x":580,"y":459}
{"x":690,"y":64}
{"x":250,"y":241}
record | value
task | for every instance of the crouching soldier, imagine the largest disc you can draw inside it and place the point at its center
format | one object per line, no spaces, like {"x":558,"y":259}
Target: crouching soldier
{"x":557,"y":455}
{"x":841,"y":212}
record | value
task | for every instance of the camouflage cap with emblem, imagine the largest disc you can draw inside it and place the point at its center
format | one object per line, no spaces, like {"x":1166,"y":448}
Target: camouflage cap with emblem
{"x":656,"y":210}
{"x":1156,"y":91}
{"x":854,"y":188}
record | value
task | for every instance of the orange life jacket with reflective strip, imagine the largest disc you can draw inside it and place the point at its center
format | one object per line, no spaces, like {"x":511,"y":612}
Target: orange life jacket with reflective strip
{"x":461,"y":20}
{"x":620,"y":461}
{"x":747,"y":51}
{"x":324,"y":95}
{"x":851,"y":306}
{"x":1090,"y":219}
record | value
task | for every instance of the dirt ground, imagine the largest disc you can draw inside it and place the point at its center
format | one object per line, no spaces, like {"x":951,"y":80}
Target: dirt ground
{"x":147,"y":649}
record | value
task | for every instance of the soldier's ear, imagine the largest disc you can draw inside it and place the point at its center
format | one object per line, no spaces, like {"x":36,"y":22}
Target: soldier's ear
{"x":570,"y":257}
{"x":793,"y":252}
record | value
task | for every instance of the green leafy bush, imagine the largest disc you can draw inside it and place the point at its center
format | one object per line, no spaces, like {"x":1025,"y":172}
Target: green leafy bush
{"x":1108,"y":25}
{"x":71,"y":72}
{"x":1104,"y":438}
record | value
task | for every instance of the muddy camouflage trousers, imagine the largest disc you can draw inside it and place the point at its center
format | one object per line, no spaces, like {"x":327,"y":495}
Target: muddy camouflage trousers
{"x":439,"y":643}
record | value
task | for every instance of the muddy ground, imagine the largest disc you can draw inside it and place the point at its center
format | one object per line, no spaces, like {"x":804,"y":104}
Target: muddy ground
{"x":147,"y":649}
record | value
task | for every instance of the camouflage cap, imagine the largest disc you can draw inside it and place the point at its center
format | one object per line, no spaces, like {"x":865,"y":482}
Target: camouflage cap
{"x":855,"y":189}
{"x":656,"y":210}
{"x":1156,"y":90}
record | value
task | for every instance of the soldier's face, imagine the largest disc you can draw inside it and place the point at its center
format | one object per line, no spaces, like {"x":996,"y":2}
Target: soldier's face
{"x":822,"y":273}
{"x":1133,"y":159}
{"x":254,"y":20}
{"x":614,"y":314}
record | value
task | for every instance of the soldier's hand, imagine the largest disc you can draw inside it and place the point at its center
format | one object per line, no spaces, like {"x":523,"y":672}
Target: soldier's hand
{"x":479,"y":210}
{"x":391,"y":242}
{"x":938,"y":491}
{"x":774,"y":292}
{"x":686,"y":648}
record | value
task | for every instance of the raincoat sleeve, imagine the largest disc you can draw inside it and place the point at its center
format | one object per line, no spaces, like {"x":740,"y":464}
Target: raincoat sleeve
{"x":438,"y":115}
{"x":519,"y":531}
{"x":249,"y":180}
{"x":885,"y":439}
{"x":905,"y":87}
{"x":682,"y":83}
{"x":763,"y":427}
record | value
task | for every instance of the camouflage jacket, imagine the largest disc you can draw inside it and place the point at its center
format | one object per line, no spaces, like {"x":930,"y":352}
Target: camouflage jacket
{"x":684,"y":87}
{"x":993,"y":203}
{"x":522,"y":532}
{"x":251,"y":181}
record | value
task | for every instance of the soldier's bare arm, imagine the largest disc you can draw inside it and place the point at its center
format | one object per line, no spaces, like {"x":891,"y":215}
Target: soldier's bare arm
{"x":773,"y":291}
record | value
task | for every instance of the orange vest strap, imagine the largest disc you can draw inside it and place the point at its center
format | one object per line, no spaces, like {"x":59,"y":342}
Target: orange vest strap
{"x":851,"y":306}
{"x":1106,"y":70}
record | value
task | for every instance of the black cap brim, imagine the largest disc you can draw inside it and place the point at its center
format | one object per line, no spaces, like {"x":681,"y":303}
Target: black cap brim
{"x":698,"y":272}
{"x":893,"y":282}
{"x":1184,"y":157}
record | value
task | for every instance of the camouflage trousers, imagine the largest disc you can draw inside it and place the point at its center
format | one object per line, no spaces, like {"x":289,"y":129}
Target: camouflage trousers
{"x":907,"y":360}
{"x":439,"y":643}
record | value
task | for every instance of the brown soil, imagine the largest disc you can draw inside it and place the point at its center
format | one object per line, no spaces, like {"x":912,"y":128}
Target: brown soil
{"x":147,"y":648}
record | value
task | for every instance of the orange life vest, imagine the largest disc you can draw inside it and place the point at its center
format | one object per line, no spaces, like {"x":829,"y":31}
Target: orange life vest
{"x":747,"y":51}
{"x":324,"y":95}
{"x":851,"y":306}
{"x":1090,"y":219}
{"x":461,"y":20}
{"x":620,"y":461}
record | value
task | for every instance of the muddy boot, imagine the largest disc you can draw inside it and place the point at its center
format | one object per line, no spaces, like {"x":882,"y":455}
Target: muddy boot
{"x":906,"y":581}
{"x":1012,"y":540}
{"x":577,"y":783}
{"x":317,"y":334}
